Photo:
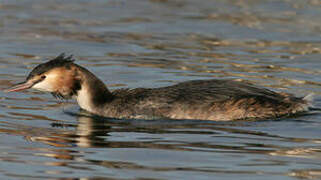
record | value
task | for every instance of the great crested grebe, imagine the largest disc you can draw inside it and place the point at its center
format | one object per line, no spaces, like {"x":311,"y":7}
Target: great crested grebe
{"x":220,"y":100}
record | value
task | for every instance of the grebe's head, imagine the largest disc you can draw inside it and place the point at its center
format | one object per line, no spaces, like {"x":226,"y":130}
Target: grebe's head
{"x":57,"y":76}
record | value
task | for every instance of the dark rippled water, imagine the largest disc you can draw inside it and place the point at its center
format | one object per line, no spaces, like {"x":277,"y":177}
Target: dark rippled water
{"x":153,"y":43}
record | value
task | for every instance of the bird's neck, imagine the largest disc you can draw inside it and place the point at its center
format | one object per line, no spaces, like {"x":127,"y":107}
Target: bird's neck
{"x":93,"y":93}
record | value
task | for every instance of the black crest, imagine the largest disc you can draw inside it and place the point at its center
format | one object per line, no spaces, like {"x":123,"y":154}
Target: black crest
{"x":59,"y":61}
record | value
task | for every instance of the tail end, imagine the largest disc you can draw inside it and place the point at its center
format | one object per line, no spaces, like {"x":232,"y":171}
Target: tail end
{"x":309,"y":99}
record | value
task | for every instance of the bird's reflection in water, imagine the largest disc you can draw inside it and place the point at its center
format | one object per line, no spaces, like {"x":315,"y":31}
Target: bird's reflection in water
{"x":89,"y":131}
{"x":94,"y":132}
{"x":68,"y":139}
{"x":78,"y":144}
{"x":65,"y":139}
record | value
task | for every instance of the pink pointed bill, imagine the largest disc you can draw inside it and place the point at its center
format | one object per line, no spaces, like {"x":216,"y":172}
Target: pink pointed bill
{"x":19,"y":87}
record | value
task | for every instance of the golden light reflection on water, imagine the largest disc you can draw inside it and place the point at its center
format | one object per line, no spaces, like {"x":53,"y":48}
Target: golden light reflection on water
{"x":299,"y":152}
{"x":306,"y":174}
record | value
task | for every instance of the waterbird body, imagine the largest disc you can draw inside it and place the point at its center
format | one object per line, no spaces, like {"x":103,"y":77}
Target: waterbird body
{"x":220,"y":100}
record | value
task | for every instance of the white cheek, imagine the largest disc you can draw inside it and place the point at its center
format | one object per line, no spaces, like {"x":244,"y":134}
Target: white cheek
{"x":43,"y":86}
{"x":46,"y":84}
